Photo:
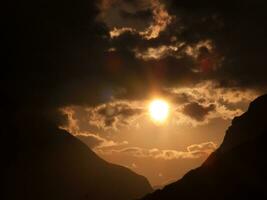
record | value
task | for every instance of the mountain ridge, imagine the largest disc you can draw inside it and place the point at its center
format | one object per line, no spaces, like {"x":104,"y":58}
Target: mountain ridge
{"x":50,"y":163}
{"x":236,"y":170}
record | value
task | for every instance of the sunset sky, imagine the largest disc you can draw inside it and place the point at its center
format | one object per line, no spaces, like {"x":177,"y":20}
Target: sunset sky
{"x":125,"y":133}
{"x":151,"y":85}
{"x":164,"y":51}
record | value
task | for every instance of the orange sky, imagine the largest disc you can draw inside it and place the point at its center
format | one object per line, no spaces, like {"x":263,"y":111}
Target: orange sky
{"x":123,"y":132}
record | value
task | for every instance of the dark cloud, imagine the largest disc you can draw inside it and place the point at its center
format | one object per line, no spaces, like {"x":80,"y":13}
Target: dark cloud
{"x":236,"y":29}
{"x":113,"y":115}
{"x":199,"y":103}
{"x":142,"y":14}
{"x":194,"y":105}
{"x":197,"y":111}
{"x":136,"y":15}
{"x":58,"y":52}
{"x":181,"y":98}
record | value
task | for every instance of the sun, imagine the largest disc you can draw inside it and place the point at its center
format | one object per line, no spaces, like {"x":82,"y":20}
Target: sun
{"x":159,"y":110}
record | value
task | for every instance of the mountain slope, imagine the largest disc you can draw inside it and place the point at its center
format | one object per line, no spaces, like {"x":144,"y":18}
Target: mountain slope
{"x":48,"y":163}
{"x":237,"y":170}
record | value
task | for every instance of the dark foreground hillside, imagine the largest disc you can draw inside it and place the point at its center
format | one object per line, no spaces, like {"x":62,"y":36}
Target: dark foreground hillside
{"x":237,"y":170}
{"x":43,"y":162}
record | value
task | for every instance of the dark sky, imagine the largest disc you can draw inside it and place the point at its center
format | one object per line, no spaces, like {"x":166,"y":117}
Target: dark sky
{"x":101,"y":62}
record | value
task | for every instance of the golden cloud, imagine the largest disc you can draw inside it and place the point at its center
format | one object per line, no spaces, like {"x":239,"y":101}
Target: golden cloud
{"x":193,"y":152}
{"x":160,"y":18}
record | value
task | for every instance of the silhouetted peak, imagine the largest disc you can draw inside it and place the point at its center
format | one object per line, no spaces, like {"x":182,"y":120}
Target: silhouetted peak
{"x":247,"y":126}
{"x":49,"y":163}
{"x":237,"y":170}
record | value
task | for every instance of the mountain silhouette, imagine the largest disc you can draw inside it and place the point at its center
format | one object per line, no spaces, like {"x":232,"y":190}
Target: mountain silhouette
{"x":44,"y":162}
{"x":236,"y":170}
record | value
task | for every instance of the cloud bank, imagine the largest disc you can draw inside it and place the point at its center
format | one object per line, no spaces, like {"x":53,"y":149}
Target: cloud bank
{"x":193,"y":152}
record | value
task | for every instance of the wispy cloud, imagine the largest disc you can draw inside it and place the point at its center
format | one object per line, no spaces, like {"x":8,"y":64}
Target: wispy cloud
{"x":191,"y":105}
{"x":93,"y":140}
{"x":114,"y":114}
{"x":96,"y":142}
{"x":160,"y":18}
{"x":202,"y":102}
{"x":192,"y":152}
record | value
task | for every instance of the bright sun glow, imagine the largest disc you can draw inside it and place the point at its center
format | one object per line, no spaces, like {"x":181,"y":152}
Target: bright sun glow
{"x":159,"y":110}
